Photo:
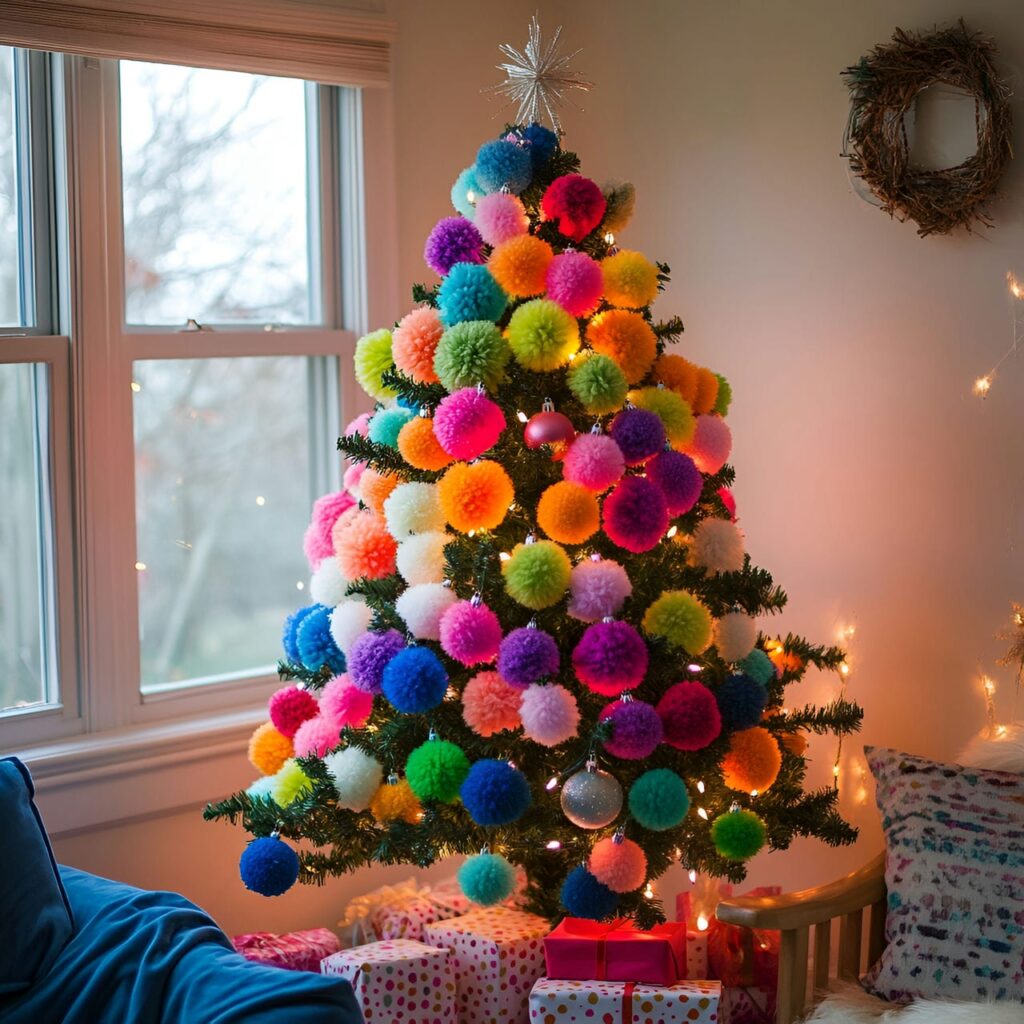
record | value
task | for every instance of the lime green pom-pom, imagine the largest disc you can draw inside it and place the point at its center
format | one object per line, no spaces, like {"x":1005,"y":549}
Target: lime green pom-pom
{"x":738,"y":835}
{"x":542,"y":335}
{"x":372,"y":359}
{"x":681,"y":619}
{"x":724,"y":399}
{"x":758,"y":666}
{"x":473,"y":352}
{"x":386,"y":424}
{"x":436,"y":769}
{"x":537,"y":575}
{"x":598,"y":383}
{"x":659,"y":800}
{"x":672,"y":409}
{"x":289,"y":783}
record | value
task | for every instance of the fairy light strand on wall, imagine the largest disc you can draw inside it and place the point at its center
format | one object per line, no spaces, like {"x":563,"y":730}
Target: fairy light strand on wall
{"x":983,"y":384}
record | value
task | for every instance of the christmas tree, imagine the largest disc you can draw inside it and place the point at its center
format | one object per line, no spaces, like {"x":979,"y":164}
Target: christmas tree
{"x":535,"y":632}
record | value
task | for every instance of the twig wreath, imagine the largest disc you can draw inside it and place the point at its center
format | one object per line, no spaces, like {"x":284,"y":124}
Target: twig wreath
{"x":883,"y":86}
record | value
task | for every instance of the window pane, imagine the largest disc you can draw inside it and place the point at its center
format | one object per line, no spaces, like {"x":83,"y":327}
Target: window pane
{"x":10,"y":263}
{"x":222,"y":483}
{"x":215,"y":196}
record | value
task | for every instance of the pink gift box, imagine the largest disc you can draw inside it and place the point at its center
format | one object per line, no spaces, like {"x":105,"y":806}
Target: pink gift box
{"x":401,"y":911}
{"x":398,"y":980}
{"x":749,"y":1004}
{"x":295,"y":951}
{"x":497,"y":955}
{"x":617,"y":1002}
{"x":617,"y":951}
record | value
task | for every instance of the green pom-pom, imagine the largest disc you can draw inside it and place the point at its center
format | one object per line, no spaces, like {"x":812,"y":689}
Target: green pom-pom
{"x":372,"y":359}
{"x":681,"y":619}
{"x":289,"y":783}
{"x":542,"y":335}
{"x":386,"y":424}
{"x":659,"y":800}
{"x":738,"y":835}
{"x":724,"y":399}
{"x":598,"y":383}
{"x":537,"y":575}
{"x":486,"y":879}
{"x":758,"y":666}
{"x":471,"y":353}
{"x":436,"y":769}
{"x":671,"y":408}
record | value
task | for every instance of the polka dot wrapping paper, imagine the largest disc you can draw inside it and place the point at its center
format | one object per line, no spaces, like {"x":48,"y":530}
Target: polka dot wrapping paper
{"x":619,"y":1002}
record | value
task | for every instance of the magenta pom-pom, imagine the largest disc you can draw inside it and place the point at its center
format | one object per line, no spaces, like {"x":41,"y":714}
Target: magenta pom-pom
{"x":711,"y":444}
{"x":690,"y":716}
{"x":316,"y":737}
{"x":528,"y":655}
{"x":728,"y":500}
{"x":289,"y":707}
{"x":343,"y":704}
{"x":549,"y":714}
{"x":610,"y":657}
{"x":577,"y":203}
{"x":470,"y":633}
{"x":453,"y":240}
{"x":636,"y":729}
{"x":500,"y":216}
{"x":574,"y":281}
{"x":635,"y":515}
{"x":679,"y":479}
{"x":639,"y":433}
{"x":598,"y":589}
{"x":594,"y":461}
{"x":369,"y":654}
{"x":467,"y":423}
{"x":317,"y":543}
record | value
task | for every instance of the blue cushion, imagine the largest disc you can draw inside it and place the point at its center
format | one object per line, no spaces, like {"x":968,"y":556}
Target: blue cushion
{"x":35,"y":915}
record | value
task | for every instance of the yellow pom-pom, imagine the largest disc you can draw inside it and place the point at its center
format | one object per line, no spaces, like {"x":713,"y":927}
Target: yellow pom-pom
{"x":375,"y":488}
{"x":289,"y":784}
{"x":630,"y":279}
{"x":707,"y":391}
{"x":268,"y":749}
{"x":568,"y":513}
{"x":395,"y":801}
{"x":543,"y":336}
{"x":475,"y":497}
{"x":625,"y":337}
{"x":671,"y":408}
{"x":677,"y":373}
{"x":753,"y":760}
{"x":520,"y":265}
{"x":681,"y":619}
{"x":419,"y":447}
{"x":372,"y":358}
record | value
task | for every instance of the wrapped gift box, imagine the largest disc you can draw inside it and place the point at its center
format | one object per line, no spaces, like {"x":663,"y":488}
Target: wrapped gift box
{"x":295,"y":951}
{"x":748,"y":1004}
{"x":497,"y":955}
{"x":589,"y":1002}
{"x":617,"y":951}
{"x":400,"y":979}
{"x":401,"y":911}
{"x":697,"y":954}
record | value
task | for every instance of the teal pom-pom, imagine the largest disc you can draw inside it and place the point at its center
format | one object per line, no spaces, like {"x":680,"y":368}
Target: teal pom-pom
{"x":268,"y":866}
{"x":465,"y":186}
{"x":584,"y":896}
{"x":436,"y":769}
{"x":738,"y":835}
{"x":486,"y":879}
{"x":386,"y":424}
{"x":471,"y":353}
{"x":659,"y":800}
{"x":724,"y":399}
{"x":758,"y":666}
{"x":469,"y":292}
{"x":501,"y":163}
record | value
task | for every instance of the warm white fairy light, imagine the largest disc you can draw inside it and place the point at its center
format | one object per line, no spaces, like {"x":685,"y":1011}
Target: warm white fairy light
{"x":260,"y":500}
{"x":983,"y":385}
{"x":702,"y":813}
{"x":299,"y":585}
{"x":649,"y":892}
{"x":988,"y":689}
{"x":552,"y":783}
{"x":504,"y":556}
{"x":672,"y":531}
{"x":609,"y":238}
{"x":553,"y":844}
{"x":140,"y":566}
{"x":700,"y":786}
{"x":521,"y":416}
{"x":136,"y":386}
{"x":693,"y":876}
{"x":702,"y":923}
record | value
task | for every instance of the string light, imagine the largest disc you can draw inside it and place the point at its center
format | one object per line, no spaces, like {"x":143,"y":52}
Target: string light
{"x":136,"y":386}
{"x":299,"y":585}
{"x":983,"y":384}
{"x":844,"y":634}
{"x":988,"y":688}
{"x":553,"y":844}
{"x":551,"y":783}
{"x":504,"y":556}
{"x":140,"y":566}
{"x":702,"y":813}
{"x":702,"y":923}
{"x":521,"y":416}
{"x":609,"y":238}
{"x":649,"y":892}
{"x":673,"y":530}
{"x":260,"y":500}
{"x":693,"y":877}
{"x":700,"y":786}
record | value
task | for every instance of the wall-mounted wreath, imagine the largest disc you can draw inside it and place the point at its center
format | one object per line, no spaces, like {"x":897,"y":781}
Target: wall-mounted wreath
{"x":883,"y":87}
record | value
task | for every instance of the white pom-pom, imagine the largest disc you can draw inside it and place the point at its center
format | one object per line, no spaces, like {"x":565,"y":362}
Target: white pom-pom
{"x":328,"y":584}
{"x":734,"y":634}
{"x":550,"y":715}
{"x":717,"y":545}
{"x":349,"y":621}
{"x":262,"y":787}
{"x":357,"y":776}
{"x":421,"y":608}
{"x":420,"y":559}
{"x":413,"y":508}
{"x":1001,"y":753}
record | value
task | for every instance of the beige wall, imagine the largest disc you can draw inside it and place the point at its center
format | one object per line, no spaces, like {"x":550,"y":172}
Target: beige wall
{"x":869,"y":479}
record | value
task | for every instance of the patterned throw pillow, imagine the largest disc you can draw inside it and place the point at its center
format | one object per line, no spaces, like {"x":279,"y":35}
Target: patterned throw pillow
{"x":954,"y":871}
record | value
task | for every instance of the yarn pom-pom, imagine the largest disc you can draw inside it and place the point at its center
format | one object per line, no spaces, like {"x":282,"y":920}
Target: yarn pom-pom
{"x":415,"y":681}
{"x":262,"y":788}
{"x":741,"y":702}
{"x":290,"y":631}
{"x":421,"y":607}
{"x":365,"y":547}
{"x":387,"y":424}
{"x":316,"y":737}
{"x":724,"y":397}
{"x":467,"y":423}
{"x":738,"y":835}
{"x":542,"y":335}
{"x":594,"y":461}
{"x":289,"y":707}
{"x":681,"y":619}
{"x":395,"y":801}
{"x":711,"y":444}
{"x":636,"y":729}
{"x":630,"y":279}
{"x":420,"y":559}
{"x":470,"y":633}
{"x":369,"y":655}
{"x":527,"y":656}
{"x":677,"y":373}
{"x":576,"y":203}
{"x":290,"y":784}
{"x":490,"y":704}
{"x":477,"y":496}
{"x":549,"y":715}
{"x":520,"y":265}
{"x":753,"y":760}
{"x":359,"y":424}
{"x":568,"y":513}
{"x":659,"y":800}
{"x":486,"y":879}
{"x":315,"y":644}
{"x":706,"y":395}
{"x":717,"y":546}
{"x":598,"y":589}
{"x":536,"y":575}
{"x":758,"y":666}
{"x":413,"y":508}
{"x":316,"y":543}
{"x":469,"y":292}
{"x":349,"y":621}
{"x":598,"y":383}
{"x":679,"y":479}
{"x":495,"y":793}
{"x":419,"y":446}
{"x":268,"y":749}
{"x":728,"y":499}
{"x":503,"y":164}
{"x":452,"y":240}
{"x":574,"y":282}
{"x":618,"y":863}
{"x":734,"y":636}
{"x":356,"y":775}
{"x":635,"y":514}
{"x":499,"y":217}
{"x":621,"y":199}
{"x":626,"y":338}
{"x":414,"y":343}
{"x":353,"y":474}
{"x":344,"y":704}
{"x":372,"y":358}
{"x":374,"y":489}
{"x":671,"y":408}
{"x":542,"y":143}
{"x":471,"y":353}
{"x":584,"y":896}
{"x":268,"y":866}
{"x":690,"y":716}
{"x":328,"y":584}
{"x":436,"y":769}
{"x":466,"y":192}
{"x":639,"y":434}
{"x":610,"y":657}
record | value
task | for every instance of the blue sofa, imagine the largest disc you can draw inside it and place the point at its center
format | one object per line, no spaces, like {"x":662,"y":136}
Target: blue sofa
{"x":77,"y":949}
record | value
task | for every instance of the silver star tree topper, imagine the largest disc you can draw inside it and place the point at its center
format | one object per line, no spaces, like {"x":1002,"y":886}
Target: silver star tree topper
{"x":538,"y":77}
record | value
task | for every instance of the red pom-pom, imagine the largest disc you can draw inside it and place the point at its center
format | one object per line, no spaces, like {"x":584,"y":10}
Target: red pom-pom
{"x":635,"y":514}
{"x":577,"y":203}
{"x":690,"y":715}
{"x":291,"y":706}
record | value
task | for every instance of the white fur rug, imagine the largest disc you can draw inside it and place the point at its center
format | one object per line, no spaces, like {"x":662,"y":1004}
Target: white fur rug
{"x":852,"y":1005}
{"x":1005,"y":754}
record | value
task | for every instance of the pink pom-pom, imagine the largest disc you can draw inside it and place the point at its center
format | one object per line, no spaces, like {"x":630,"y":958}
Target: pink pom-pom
{"x":690,"y":716}
{"x":343,"y":704}
{"x":597,"y":589}
{"x":352,"y":476}
{"x":575,"y":282}
{"x":550,"y":715}
{"x":360,"y":425}
{"x":414,"y":343}
{"x":500,"y":216}
{"x":635,"y":515}
{"x":490,"y":705}
{"x":470,"y":633}
{"x":467,"y":423}
{"x":636,"y":729}
{"x":317,"y":736}
{"x":594,"y":461}
{"x":610,"y":657}
{"x":728,"y":500}
{"x":577,"y":203}
{"x":618,"y":863}
{"x":711,"y":444}
{"x":289,"y":707}
{"x":317,"y":543}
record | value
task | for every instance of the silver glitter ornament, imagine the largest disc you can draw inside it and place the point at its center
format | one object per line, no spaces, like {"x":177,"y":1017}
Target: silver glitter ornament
{"x":591,"y":798}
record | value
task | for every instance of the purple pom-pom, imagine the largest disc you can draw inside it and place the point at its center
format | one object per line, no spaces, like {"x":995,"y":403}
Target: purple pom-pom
{"x":679,"y":479}
{"x":526,"y":656}
{"x":575,"y":282}
{"x":453,"y":240}
{"x":467,"y":423}
{"x":636,"y":729}
{"x":610,"y":657}
{"x":369,"y":654}
{"x":635,"y":515}
{"x":598,"y":589}
{"x":639,"y":433}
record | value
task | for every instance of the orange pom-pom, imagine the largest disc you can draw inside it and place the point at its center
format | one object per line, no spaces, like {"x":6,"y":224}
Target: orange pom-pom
{"x":794,"y":742}
{"x":340,"y":523}
{"x":375,"y":488}
{"x":268,"y":749}
{"x":365,"y":547}
{"x":420,"y":447}
{"x":707,"y":391}
{"x":475,"y":497}
{"x":753,"y":760}
{"x":782,"y":659}
{"x":568,"y":513}
{"x":625,"y":337}
{"x":414,"y":342}
{"x":520,"y":265}
{"x":630,"y":279}
{"x":677,"y":373}
{"x":622,"y":865}
{"x":490,"y":705}
{"x":395,"y":801}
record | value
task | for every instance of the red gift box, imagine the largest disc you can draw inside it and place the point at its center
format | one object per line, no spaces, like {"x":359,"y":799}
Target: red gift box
{"x":294,"y":951}
{"x":583,"y":950}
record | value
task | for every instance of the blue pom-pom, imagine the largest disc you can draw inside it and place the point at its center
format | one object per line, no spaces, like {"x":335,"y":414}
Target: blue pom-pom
{"x":543,"y":143}
{"x":741,"y":701}
{"x":314,"y":643}
{"x":290,"y":633}
{"x":486,"y":879}
{"x":584,"y":896}
{"x":495,"y":793}
{"x":268,"y":866}
{"x":468,"y":293}
{"x":758,"y":666}
{"x":466,"y":185}
{"x":414,"y":680}
{"x":385,"y":425}
{"x":501,"y":163}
